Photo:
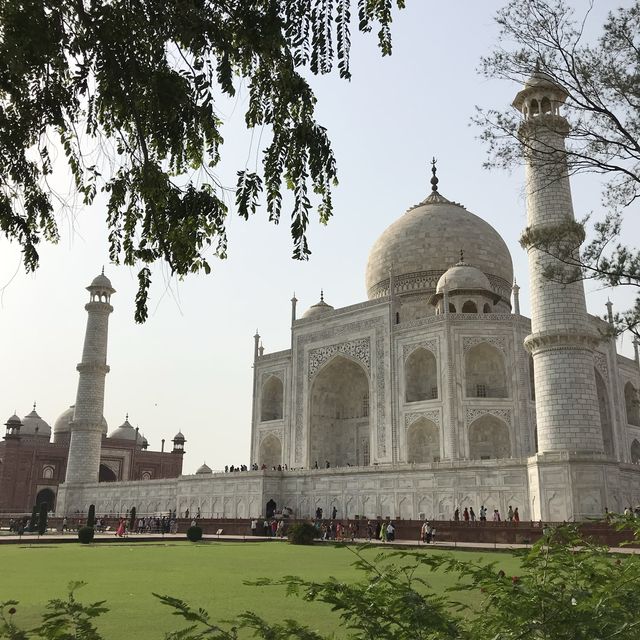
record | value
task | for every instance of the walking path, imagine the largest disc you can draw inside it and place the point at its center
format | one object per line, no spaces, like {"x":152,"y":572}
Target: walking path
{"x":57,"y":537}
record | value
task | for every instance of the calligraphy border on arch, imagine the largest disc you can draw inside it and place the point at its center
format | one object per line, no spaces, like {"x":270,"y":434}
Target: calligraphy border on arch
{"x":600,"y":361}
{"x":378,"y":325}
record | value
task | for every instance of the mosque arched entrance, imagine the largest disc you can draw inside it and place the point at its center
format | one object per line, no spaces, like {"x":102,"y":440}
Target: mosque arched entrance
{"x":46,"y":496}
{"x":105,"y":474}
{"x":339,"y":426}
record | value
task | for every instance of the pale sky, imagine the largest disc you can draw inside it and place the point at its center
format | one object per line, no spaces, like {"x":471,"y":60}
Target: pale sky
{"x":189,"y":367}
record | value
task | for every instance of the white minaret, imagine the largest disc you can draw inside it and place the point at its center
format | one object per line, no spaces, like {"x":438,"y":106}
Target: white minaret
{"x":86,"y":427}
{"x":562,"y":339}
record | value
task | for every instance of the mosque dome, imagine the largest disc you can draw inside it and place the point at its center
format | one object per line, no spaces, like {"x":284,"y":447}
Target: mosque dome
{"x":34,"y":425}
{"x":61,"y":425}
{"x":205,"y":468}
{"x":463,"y":276}
{"x":319,"y":309}
{"x":179,"y":436}
{"x":421,"y":245}
{"x":126,"y":431}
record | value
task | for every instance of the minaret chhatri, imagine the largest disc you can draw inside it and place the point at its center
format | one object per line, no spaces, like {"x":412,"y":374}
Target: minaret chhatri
{"x":562,"y":339}
{"x":86,"y":427}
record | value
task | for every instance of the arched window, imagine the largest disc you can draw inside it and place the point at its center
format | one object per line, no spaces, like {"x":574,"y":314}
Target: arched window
{"x":105,"y":474}
{"x":486,"y":308}
{"x":423,"y":441}
{"x":534,"y":108}
{"x":146,"y":475}
{"x":605,"y":416}
{"x":272,"y":399}
{"x":545,"y":105}
{"x":485,"y":372}
{"x":489,"y":438}
{"x":47,"y":472}
{"x":421,"y":376}
{"x":635,"y":452}
{"x":270,"y":451}
{"x":469,"y":307}
{"x":452,"y":308}
{"x":631,"y":404}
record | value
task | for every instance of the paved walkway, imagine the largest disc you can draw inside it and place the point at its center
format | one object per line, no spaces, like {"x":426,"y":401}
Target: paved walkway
{"x":56,"y":537}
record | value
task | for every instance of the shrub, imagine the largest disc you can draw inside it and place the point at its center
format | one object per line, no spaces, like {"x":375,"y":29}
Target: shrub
{"x":33,"y":521}
{"x":132,"y":519}
{"x":194,"y":534}
{"x":42,"y":519}
{"x":91,"y":518}
{"x":303,"y":533}
{"x":85,"y":535}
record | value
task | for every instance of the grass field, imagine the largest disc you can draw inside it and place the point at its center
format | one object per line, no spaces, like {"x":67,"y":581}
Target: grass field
{"x":210,"y":575}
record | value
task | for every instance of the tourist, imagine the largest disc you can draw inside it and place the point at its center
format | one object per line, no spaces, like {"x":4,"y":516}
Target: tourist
{"x":465,"y":515}
{"x":64,"y":524}
{"x":423,"y":531}
{"x":431,"y":534}
{"x":315,"y":464}
{"x":456,"y":515}
{"x":483,"y":514}
{"x":254,"y":527}
{"x":472,"y":514}
{"x":370,"y":531}
{"x":510,"y":514}
{"x":120,"y":531}
{"x":265,"y":527}
{"x":496,"y":515}
{"x":326,"y":464}
{"x":391,"y":532}
{"x":334,"y":513}
{"x":383,"y":532}
{"x":516,"y":516}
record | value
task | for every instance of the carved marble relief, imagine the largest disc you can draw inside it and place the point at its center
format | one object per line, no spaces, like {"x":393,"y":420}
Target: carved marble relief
{"x":359,"y":350}
{"x":473,"y":414}
{"x":495,"y":341}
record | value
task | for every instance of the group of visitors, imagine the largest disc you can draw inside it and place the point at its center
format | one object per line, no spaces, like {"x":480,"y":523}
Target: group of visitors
{"x":155,"y":524}
{"x":427,"y":533}
{"x":269,"y":527}
{"x":469,"y":515}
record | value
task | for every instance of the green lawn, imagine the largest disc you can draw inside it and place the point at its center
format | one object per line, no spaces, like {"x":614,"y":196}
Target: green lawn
{"x":210,"y":575}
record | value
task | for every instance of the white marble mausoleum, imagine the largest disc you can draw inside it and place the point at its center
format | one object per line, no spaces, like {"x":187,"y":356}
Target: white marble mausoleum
{"x":434,"y":393}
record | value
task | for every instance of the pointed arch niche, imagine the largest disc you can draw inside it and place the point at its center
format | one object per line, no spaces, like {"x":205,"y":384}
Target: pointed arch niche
{"x":339,"y":428}
{"x":489,"y":438}
{"x":272,"y":398}
{"x":420,"y":376}
{"x":485,"y":371}
{"x":423,"y":441}
{"x":605,"y":414}
{"x":631,"y":404}
{"x":270,"y":451}
{"x":635,"y":452}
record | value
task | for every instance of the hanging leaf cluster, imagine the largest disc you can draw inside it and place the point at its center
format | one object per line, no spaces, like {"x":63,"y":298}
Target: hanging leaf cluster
{"x":127,"y":93}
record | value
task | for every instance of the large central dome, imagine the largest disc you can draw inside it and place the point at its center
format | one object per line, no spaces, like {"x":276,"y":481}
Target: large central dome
{"x":427,"y":240}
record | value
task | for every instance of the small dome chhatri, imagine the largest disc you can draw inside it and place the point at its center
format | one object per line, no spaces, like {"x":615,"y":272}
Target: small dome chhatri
{"x":463,"y":276}
{"x":319,"y":309}
{"x":204,"y":469}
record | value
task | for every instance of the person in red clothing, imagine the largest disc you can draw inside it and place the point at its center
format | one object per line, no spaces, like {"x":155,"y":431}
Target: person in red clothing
{"x":465,"y":515}
{"x":516,"y":516}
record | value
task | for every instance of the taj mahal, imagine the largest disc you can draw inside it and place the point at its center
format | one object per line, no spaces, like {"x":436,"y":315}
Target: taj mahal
{"x":436,"y":393}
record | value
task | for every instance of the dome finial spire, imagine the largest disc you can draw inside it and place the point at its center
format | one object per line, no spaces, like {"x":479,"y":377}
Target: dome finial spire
{"x":434,"y":177}
{"x":461,"y":255}
{"x":321,"y":295}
